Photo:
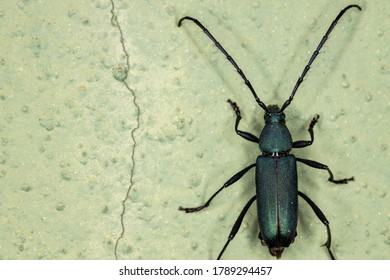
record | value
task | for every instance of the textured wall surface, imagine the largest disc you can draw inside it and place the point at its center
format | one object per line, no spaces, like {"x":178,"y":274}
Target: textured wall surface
{"x":111,"y":117}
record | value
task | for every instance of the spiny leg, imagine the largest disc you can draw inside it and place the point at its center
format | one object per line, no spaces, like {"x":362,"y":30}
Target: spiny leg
{"x":323,"y":219}
{"x":318,"y":165}
{"x":246,"y":135}
{"x":236,"y":225}
{"x":231,"y":181}
{"x":316,"y":52}
{"x":304,"y":143}
{"x":229,"y":58}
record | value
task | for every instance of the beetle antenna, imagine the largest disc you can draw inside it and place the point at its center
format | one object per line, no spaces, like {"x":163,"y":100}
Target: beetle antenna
{"x":231,"y":60}
{"x":314,"y":55}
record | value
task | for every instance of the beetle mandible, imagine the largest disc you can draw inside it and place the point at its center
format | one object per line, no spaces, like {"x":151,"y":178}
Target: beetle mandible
{"x":276,"y":170}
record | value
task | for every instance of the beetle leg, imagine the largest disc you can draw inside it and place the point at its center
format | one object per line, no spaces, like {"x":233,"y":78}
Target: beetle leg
{"x":323,"y":219}
{"x":318,"y":165}
{"x":236,"y":225}
{"x":304,"y":143}
{"x":246,"y":135}
{"x":231,"y":181}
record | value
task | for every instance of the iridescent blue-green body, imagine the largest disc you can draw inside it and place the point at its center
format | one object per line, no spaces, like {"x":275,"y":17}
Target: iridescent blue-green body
{"x":276,"y":184}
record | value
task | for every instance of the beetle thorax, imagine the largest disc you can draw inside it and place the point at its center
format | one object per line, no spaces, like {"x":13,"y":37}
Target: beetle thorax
{"x":275,"y":138}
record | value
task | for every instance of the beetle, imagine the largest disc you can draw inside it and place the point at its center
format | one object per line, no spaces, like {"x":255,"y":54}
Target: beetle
{"x":276,"y":169}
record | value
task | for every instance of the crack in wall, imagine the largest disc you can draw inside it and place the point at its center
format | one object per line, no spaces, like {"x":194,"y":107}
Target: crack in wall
{"x":115,"y":23}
